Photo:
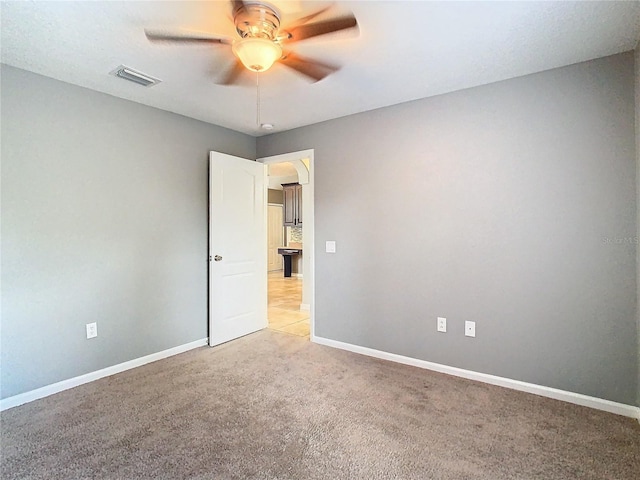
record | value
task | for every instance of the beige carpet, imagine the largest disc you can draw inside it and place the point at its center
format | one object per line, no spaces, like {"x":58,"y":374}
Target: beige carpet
{"x":272,"y":405}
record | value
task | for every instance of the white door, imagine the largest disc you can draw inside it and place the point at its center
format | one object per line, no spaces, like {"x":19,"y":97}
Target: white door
{"x":275,"y":236}
{"x":237,"y":247}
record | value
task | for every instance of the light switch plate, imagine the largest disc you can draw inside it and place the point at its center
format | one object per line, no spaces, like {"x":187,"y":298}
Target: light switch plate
{"x":330,"y":246}
{"x":442,"y":324}
{"x":92,"y":330}
{"x":470,"y":329}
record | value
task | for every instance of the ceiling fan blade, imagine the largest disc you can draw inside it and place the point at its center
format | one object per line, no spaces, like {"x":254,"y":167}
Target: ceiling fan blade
{"x":316,"y":29}
{"x":188,"y":37}
{"x":308,"y":18}
{"x":237,"y":4}
{"x":310,"y":68}
{"x":231,"y":76}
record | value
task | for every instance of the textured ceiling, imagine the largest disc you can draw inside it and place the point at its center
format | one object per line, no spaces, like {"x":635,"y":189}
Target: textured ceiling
{"x":405,"y":51}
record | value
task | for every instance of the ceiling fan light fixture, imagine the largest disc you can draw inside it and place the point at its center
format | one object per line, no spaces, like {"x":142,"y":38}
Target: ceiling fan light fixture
{"x":257,"y":54}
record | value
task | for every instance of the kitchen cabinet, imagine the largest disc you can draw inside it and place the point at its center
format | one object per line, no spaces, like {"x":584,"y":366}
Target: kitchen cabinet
{"x":292,"y":201}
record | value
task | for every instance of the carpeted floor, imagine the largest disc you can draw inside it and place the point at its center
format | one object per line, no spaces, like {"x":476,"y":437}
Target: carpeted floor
{"x":274,"y":406}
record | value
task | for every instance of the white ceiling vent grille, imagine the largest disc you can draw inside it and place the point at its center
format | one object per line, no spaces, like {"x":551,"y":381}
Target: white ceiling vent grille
{"x":134,"y":76}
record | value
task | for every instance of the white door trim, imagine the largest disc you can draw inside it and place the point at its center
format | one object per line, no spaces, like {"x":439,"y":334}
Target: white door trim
{"x":306,"y":179}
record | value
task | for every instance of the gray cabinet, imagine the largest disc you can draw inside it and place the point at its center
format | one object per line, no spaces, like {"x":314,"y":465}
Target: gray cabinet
{"x":292,"y":202}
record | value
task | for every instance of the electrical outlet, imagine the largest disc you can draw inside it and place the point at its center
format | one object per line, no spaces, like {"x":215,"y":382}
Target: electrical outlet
{"x":330,"y":246}
{"x":92,"y":330}
{"x":470,"y":329}
{"x":442,"y":324}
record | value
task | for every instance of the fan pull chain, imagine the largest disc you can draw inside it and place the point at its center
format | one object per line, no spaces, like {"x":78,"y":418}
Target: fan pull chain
{"x":258,"y":99}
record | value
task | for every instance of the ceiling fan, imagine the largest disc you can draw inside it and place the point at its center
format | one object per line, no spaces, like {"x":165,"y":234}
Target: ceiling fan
{"x":261,"y":42}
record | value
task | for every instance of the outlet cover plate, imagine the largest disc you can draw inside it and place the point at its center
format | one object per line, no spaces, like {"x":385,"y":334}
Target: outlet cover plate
{"x":470,"y":329}
{"x":92,"y":330}
{"x":330,"y":246}
{"x":442,"y":324}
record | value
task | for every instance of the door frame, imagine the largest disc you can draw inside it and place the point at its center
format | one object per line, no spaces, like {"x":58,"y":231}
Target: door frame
{"x":306,"y":179}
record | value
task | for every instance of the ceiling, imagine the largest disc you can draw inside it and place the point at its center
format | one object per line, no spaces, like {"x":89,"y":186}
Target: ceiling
{"x":404,"y":51}
{"x":282,"y":169}
{"x":279,"y":173}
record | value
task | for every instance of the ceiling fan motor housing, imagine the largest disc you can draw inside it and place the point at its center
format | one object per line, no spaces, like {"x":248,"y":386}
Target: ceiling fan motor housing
{"x":257,"y":20}
{"x":260,"y":41}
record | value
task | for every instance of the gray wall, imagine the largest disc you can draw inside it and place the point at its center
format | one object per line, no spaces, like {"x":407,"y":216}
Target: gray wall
{"x":104,"y":218}
{"x":516,"y":203}
{"x":637,"y":92}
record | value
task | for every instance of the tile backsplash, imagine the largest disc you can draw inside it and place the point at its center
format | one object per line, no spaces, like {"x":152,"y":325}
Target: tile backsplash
{"x":294,"y":234}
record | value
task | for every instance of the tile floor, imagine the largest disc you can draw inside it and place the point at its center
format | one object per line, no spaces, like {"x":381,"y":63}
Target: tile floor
{"x":285,"y":296}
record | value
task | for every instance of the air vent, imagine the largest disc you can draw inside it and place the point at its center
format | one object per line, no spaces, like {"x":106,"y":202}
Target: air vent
{"x":134,"y":76}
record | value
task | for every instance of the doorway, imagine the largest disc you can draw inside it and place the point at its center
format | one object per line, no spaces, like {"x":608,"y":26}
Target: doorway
{"x":290,"y":299}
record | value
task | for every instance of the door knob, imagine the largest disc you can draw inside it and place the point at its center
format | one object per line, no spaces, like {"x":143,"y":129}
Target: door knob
{"x":217,"y":258}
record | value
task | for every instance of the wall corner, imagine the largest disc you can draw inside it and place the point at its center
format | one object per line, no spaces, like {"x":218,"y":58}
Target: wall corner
{"x":637,"y":131}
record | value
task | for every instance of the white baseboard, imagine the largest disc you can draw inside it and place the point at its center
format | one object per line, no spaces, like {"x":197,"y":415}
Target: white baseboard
{"x":305,"y":306}
{"x":297,"y":275}
{"x":47,"y":390}
{"x":571,"y":397}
